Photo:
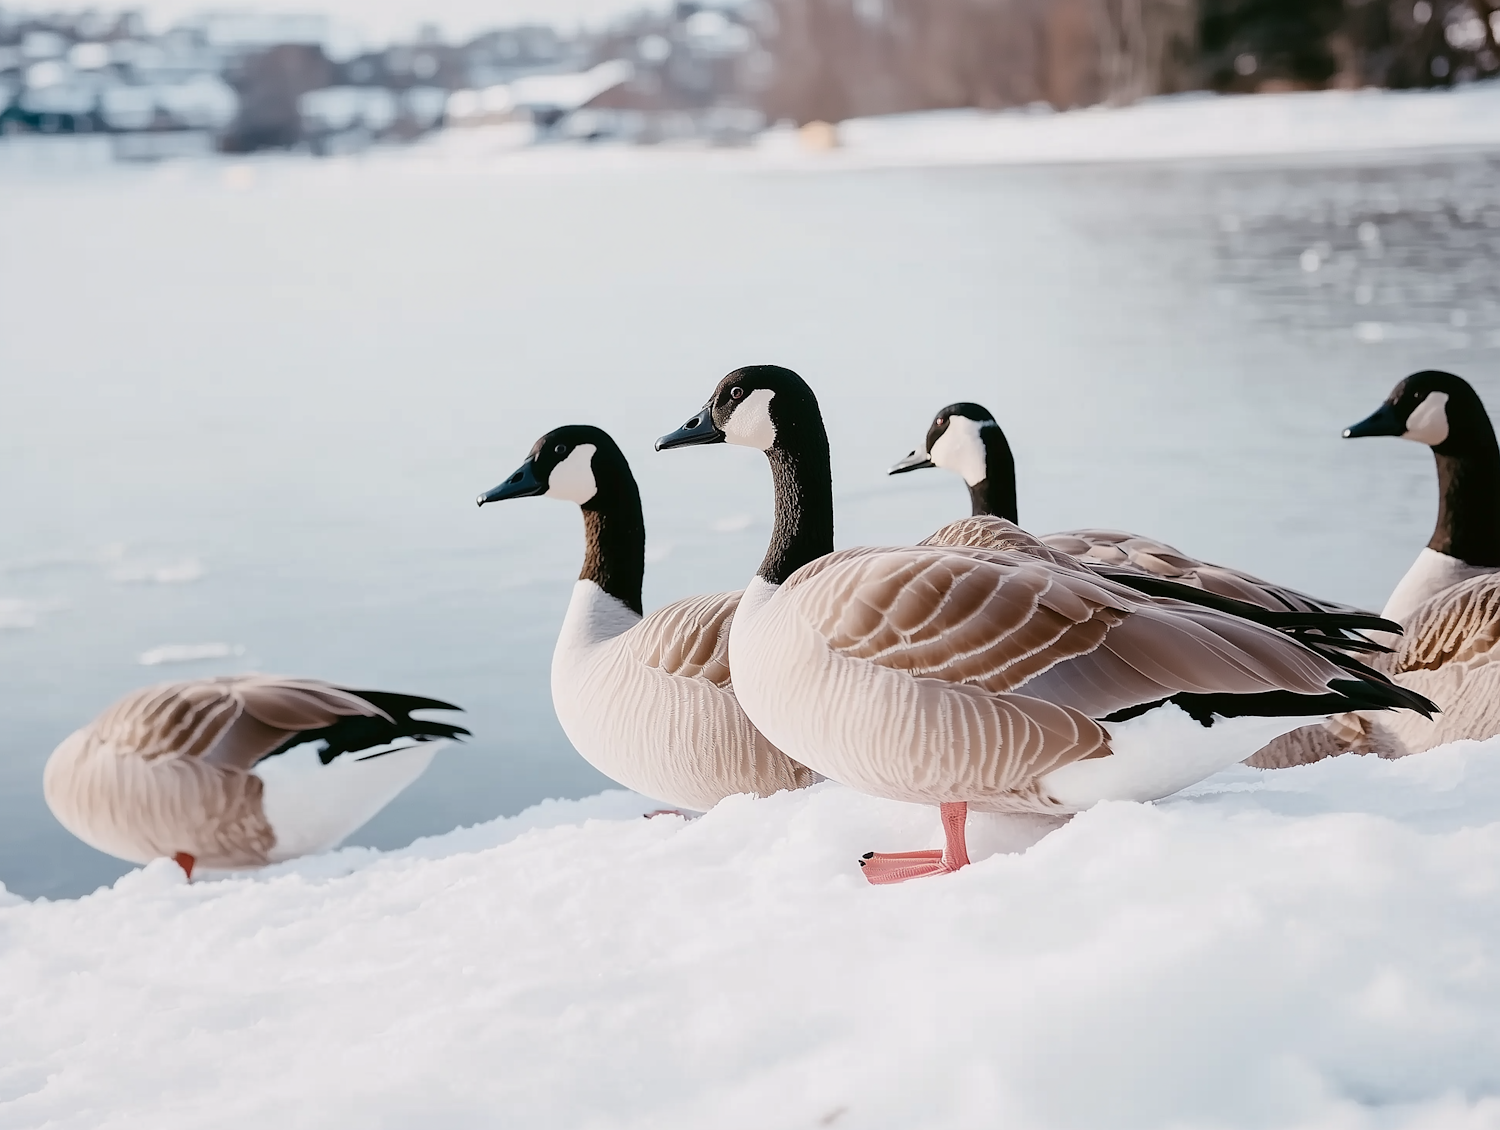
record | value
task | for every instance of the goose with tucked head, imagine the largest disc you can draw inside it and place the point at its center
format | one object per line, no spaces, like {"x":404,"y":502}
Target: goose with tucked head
{"x":646,"y":700}
{"x":1449,"y":600}
{"x":240,"y":771}
{"x":1007,"y":679}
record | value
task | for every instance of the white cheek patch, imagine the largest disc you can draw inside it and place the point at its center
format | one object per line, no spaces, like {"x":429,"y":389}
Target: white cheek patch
{"x":749,"y":425}
{"x":960,"y":449}
{"x":573,"y":479}
{"x":1428,"y":422}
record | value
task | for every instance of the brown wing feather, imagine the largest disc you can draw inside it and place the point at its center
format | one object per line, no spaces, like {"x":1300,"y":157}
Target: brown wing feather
{"x":1003,"y":622}
{"x":688,"y":637}
{"x":232,"y":721}
{"x":1157,"y":558}
{"x":986,"y":531}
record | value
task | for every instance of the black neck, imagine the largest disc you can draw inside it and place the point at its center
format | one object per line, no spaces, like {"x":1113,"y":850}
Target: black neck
{"x":996,"y":492}
{"x":614,"y":555}
{"x":1468,"y":522}
{"x":803,"y":481}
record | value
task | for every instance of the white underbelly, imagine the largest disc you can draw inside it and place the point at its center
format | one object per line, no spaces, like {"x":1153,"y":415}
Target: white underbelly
{"x":875,"y":729}
{"x":313,"y":807}
{"x":680,"y":740}
{"x":1159,"y":753}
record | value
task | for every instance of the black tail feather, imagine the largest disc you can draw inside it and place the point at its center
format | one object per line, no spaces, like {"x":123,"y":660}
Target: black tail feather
{"x":1343,"y":695}
{"x":1283,"y":621}
{"x":393,"y":703}
{"x":356,"y":733}
{"x":1385,"y":695}
{"x":1346,"y":643}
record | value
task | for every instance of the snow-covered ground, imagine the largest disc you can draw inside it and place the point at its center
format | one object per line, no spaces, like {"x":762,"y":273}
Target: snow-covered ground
{"x":1311,"y":948}
{"x":1193,"y":126}
{"x":1318,"y":124}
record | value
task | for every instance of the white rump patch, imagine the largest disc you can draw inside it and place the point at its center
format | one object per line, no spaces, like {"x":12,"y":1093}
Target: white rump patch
{"x":1428,"y":422}
{"x":1162,"y":752}
{"x":312,"y":807}
{"x":573,"y":479}
{"x":749,"y":425}
{"x":960,"y":449}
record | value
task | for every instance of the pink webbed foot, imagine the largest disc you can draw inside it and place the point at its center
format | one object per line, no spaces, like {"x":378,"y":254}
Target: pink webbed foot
{"x":882,"y":868}
{"x":885,"y":867}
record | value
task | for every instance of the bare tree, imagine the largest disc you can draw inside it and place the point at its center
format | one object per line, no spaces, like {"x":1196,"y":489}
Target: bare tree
{"x":843,"y":58}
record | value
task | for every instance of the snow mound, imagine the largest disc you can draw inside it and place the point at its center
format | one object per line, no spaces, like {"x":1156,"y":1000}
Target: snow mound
{"x":1313,"y":948}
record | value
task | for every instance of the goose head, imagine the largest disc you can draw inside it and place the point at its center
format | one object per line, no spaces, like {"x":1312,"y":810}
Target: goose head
{"x":577,"y":463}
{"x":965,"y":439}
{"x":583,"y":465}
{"x":1445,"y":413}
{"x":773,"y":409}
{"x":1438,"y":409}
{"x":760,"y":406}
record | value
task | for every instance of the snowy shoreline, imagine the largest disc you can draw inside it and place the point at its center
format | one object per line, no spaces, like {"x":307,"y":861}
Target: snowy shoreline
{"x":1315,"y":125}
{"x":1310,"y":947}
{"x":1318,"y":125}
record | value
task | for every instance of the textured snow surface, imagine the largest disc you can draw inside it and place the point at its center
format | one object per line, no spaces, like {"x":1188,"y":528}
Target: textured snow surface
{"x":1318,"y":947}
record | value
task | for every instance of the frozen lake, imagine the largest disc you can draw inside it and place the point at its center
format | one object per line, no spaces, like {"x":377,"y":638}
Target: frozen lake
{"x":250,"y":406}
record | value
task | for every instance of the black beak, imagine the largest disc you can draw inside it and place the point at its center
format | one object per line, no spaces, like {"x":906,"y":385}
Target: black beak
{"x":699,"y":430}
{"x":913,"y":462}
{"x":523,"y":484}
{"x":1384,"y":421}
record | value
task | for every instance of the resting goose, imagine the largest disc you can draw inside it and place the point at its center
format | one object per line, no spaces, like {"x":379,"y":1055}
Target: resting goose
{"x":240,"y":771}
{"x":1003,"y":679}
{"x":1449,"y":600}
{"x":965,"y":439}
{"x":646,"y":701}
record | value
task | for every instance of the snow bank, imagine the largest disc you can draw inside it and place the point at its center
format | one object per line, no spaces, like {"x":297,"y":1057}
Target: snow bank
{"x":1311,"y":948}
{"x":1179,"y":127}
{"x":1189,"y":126}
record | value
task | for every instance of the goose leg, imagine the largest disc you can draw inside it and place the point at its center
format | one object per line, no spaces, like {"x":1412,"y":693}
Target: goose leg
{"x":186,"y":862}
{"x":898,"y":866}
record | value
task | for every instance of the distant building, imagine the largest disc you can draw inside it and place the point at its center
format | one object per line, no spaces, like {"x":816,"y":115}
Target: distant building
{"x":242,"y":81}
{"x":92,"y":73}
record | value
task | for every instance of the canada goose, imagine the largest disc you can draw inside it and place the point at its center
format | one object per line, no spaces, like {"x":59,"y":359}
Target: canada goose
{"x":1449,"y":600}
{"x":964,"y":438}
{"x":1000,"y":679}
{"x":239,"y":771}
{"x":648,"y":702}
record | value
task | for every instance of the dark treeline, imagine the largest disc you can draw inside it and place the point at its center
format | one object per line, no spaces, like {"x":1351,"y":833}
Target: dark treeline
{"x":843,"y":58}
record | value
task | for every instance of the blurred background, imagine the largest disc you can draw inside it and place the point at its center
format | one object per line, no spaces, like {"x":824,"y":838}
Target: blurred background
{"x":282,"y":290}
{"x":167,"y":81}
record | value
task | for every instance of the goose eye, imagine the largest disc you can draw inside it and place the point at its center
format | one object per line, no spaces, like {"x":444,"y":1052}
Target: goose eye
{"x":736,"y":393}
{"x":561,"y":448}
